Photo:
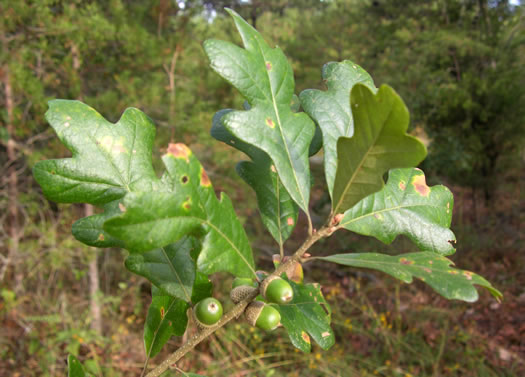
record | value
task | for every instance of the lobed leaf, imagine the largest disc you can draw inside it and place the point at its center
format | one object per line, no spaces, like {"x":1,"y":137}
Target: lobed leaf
{"x":307,"y":315}
{"x":429,"y":267}
{"x":265,"y":78}
{"x":406,"y":205}
{"x":108,"y":160}
{"x":278,"y":211}
{"x":166,"y":317}
{"x":379,"y":143}
{"x":331,"y":108}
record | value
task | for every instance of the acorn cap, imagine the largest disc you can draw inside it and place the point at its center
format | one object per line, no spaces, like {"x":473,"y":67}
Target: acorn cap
{"x":238,"y":294}
{"x":252,"y":312}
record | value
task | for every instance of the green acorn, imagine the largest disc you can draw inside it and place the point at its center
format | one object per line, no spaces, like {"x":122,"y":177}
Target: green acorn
{"x":262,"y":315}
{"x":277,"y":290}
{"x":238,"y":282}
{"x":207,"y":312}
{"x":239,"y":293}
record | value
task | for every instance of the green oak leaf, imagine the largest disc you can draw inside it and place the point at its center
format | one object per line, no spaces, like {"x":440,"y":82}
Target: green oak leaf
{"x":379,"y":143}
{"x":331,"y":108}
{"x":170,"y":268}
{"x":74,"y":367}
{"x":166,"y":317}
{"x":429,"y":267}
{"x":265,"y":78}
{"x":89,"y":230}
{"x":406,"y":205}
{"x":307,"y":315}
{"x":108,"y":160}
{"x":278,"y":211}
{"x":225,"y":247}
{"x":157,"y":218}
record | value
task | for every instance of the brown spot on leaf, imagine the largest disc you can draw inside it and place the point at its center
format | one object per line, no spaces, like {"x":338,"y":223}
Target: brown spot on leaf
{"x":428,"y":270}
{"x":101,"y":237}
{"x":468,"y":275}
{"x":273,"y":169}
{"x":406,"y":261}
{"x":179,"y":150}
{"x":453,"y":272}
{"x":269,"y":66}
{"x":430,"y":262}
{"x":122,"y":207}
{"x":205,"y":181}
{"x":290,"y":221}
{"x":402,"y":185}
{"x":305,"y":337}
{"x":325,"y":334}
{"x":184,"y":179}
{"x":162,"y":312}
{"x":270,"y":123}
{"x":420,"y":185}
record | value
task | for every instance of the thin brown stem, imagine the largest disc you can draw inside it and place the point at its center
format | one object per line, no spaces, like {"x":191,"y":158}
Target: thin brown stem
{"x":238,"y":309}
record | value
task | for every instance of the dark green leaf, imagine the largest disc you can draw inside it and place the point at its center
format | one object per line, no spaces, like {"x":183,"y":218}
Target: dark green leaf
{"x":108,"y":160}
{"x":74,"y":368}
{"x":89,"y":230}
{"x":429,"y":267}
{"x":379,"y":143}
{"x":166,"y":317}
{"x":278,"y":211}
{"x":265,"y":78}
{"x":170,"y":268}
{"x":406,"y":205}
{"x":307,"y":315}
{"x":331,"y":108}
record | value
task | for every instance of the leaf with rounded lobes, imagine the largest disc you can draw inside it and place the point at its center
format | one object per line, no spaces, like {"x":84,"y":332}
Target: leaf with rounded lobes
{"x":166,"y":317}
{"x":429,"y":267}
{"x":108,"y":160}
{"x":406,"y":205}
{"x":278,"y":210}
{"x":379,"y":143}
{"x":331,"y":108}
{"x":265,"y":78}
{"x":225,"y":246}
{"x":307,"y":315}
{"x":89,"y":230}
{"x":170,"y":268}
{"x":74,"y":368}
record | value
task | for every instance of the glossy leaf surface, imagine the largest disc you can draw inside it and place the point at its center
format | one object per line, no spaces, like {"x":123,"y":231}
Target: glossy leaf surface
{"x":379,"y":143}
{"x":265,"y":78}
{"x":331,"y":108}
{"x":278,"y":210}
{"x":166,"y":317}
{"x":108,"y":160}
{"x":90,"y":231}
{"x":307,"y":316}
{"x":431,"y":268}
{"x":406,"y":205}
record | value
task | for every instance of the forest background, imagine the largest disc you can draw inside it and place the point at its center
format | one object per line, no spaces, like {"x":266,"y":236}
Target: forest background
{"x":458,"y":64}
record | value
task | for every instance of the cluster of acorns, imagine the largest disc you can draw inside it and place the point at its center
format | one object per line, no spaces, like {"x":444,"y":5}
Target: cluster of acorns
{"x":275,"y":290}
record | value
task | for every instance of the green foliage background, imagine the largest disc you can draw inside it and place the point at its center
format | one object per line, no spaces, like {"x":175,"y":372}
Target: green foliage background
{"x":459,"y":66}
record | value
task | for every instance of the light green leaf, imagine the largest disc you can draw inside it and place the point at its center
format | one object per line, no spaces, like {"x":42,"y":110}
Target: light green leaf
{"x":429,"y":267}
{"x":170,"y":268}
{"x":265,"y":78}
{"x":278,"y":211}
{"x":108,"y":160}
{"x":406,"y":205}
{"x":166,"y":317}
{"x":331,"y":108}
{"x":74,"y":368}
{"x":379,"y":143}
{"x":307,"y":315}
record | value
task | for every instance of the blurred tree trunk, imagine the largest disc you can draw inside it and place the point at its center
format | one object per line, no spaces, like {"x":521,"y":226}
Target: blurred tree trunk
{"x":94,"y":287}
{"x":12,"y":184}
